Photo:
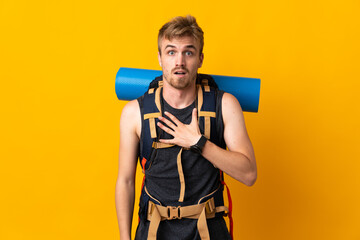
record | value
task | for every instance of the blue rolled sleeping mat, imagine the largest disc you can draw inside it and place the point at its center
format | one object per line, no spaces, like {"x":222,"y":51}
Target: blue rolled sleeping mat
{"x":132,"y":83}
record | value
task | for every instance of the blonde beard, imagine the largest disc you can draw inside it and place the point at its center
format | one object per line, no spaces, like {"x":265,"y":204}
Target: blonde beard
{"x":180,"y":84}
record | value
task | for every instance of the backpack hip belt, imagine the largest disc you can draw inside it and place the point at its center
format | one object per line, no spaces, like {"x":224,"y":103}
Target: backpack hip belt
{"x":200,"y":211}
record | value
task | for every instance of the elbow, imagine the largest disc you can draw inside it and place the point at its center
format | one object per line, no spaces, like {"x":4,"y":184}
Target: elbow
{"x":250,"y":178}
{"x":251,"y":175}
{"x":124,"y":184}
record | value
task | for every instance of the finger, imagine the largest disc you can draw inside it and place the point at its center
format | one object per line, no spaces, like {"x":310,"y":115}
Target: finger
{"x":173,"y":118}
{"x":167,"y":122}
{"x":194,"y":119}
{"x":169,"y":141}
{"x":166,"y":129}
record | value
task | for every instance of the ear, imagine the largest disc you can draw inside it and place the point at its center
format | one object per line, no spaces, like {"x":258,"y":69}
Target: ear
{"x":201,"y":59}
{"x":159,"y":58}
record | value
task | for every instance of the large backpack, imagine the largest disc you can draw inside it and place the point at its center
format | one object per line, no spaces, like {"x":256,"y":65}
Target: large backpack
{"x":211,"y":125}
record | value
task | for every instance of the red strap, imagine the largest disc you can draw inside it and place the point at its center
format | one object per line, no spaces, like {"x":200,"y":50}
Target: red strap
{"x":230,"y":204}
{"x":143,"y":162}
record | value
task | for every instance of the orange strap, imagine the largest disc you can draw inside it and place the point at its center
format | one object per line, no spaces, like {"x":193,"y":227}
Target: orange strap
{"x":205,"y":83}
{"x":152,"y":116}
{"x":200,"y":99}
{"x":158,"y":145}
{"x":181,"y":176}
{"x":202,"y":211}
{"x":205,"y":114}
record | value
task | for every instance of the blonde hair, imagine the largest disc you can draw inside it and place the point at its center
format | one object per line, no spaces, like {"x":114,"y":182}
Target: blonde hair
{"x":179,"y":27}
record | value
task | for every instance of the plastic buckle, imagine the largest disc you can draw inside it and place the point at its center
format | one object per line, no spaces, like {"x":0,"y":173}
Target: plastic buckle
{"x":173,"y":213}
{"x":210,"y":206}
{"x":151,"y":207}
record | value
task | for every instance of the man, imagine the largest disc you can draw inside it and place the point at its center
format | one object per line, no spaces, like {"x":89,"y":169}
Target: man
{"x":187,"y":168}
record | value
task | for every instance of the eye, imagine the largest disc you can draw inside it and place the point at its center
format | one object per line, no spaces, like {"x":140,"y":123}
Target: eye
{"x":171,"y":52}
{"x":188,"y":53}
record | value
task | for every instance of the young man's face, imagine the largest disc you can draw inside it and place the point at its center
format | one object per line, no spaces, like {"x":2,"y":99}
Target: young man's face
{"x":180,"y":59}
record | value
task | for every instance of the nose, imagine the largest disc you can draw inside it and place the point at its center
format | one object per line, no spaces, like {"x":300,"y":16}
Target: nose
{"x":180,"y":60}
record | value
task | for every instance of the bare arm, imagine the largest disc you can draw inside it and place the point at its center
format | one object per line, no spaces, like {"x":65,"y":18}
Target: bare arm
{"x":239,"y":162}
{"x":125,"y":184}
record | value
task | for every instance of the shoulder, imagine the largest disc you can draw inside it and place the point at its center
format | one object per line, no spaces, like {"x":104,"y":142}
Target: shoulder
{"x":131,"y":117}
{"x":230,"y":104}
{"x":131,"y":109}
{"x":232,"y":113}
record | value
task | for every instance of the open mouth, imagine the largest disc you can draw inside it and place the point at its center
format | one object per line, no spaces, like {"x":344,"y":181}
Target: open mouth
{"x":180,"y":73}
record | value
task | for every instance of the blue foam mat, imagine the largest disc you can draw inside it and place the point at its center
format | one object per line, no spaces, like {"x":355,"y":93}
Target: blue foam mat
{"x":131,"y":83}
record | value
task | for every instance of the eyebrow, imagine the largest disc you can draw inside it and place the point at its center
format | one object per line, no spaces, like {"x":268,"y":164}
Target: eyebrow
{"x":187,"y":46}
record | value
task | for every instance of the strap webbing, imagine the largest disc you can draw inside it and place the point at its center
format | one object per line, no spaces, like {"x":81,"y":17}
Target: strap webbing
{"x":205,"y":83}
{"x":152,"y":115}
{"x":143,"y":162}
{"x":230,"y":204}
{"x":157,"y":99}
{"x":181,"y":176}
{"x":157,"y":213}
{"x":199,"y":98}
{"x":207,"y":127}
{"x":158,"y":145}
{"x":202,"y":227}
{"x":152,"y":127}
{"x":207,"y":114}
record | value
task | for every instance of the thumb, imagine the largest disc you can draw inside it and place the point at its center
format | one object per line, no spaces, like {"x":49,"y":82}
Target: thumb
{"x":194,"y":119}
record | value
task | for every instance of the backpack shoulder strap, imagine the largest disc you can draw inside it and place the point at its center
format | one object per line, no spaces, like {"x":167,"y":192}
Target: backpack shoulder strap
{"x":219,"y":119}
{"x":150,"y":111}
{"x":209,"y":109}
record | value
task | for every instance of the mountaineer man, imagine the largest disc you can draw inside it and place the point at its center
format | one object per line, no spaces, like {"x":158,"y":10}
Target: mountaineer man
{"x":180,"y":129}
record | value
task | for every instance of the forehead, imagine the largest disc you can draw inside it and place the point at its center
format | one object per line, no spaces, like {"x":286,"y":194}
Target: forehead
{"x":180,"y":42}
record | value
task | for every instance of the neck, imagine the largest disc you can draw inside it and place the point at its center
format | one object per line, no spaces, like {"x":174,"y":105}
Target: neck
{"x":179,"y":98}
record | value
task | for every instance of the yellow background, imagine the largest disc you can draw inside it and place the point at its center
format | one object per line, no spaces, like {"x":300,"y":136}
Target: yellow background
{"x":60,"y":115}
